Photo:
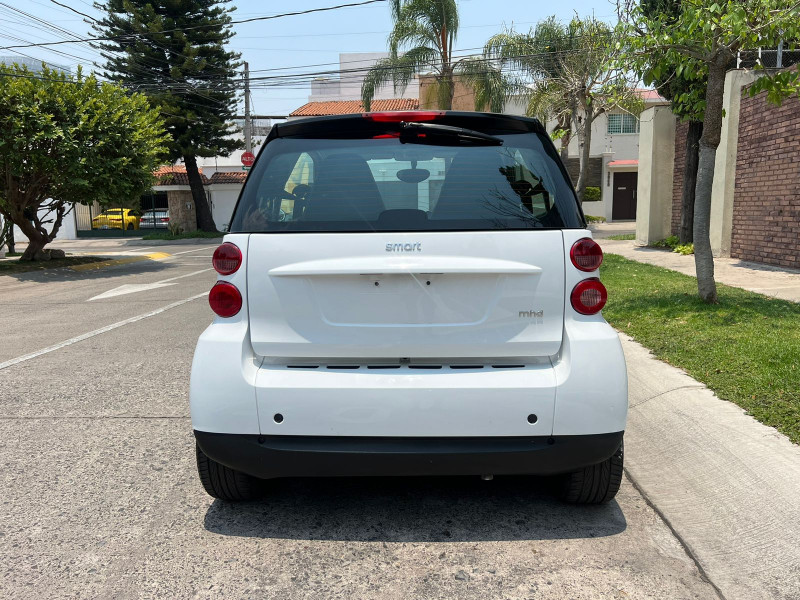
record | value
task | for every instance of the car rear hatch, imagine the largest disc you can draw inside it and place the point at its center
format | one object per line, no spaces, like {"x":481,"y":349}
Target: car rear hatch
{"x":417,"y":259}
{"x":397,"y":295}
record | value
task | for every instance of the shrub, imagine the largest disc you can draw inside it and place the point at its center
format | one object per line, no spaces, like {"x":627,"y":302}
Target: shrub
{"x":674,"y":244}
{"x":669,"y":242}
{"x":591,"y":219}
{"x":592,"y":194}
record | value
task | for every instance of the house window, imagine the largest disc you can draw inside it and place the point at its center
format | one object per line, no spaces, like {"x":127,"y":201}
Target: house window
{"x":623,"y":123}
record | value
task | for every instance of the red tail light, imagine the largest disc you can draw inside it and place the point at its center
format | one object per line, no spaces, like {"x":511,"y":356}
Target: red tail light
{"x":586,"y":254}
{"x":164,"y":219}
{"x":227,"y":259}
{"x":225,"y":299}
{"x":403,"y":115}
{"x":589,"y":296}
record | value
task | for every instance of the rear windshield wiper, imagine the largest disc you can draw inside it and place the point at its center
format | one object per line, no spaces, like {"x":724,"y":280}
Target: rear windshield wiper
{"x":444,"y":135}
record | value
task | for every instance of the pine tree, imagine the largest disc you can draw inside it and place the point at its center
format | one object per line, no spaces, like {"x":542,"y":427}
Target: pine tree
{"x":174,"y":52}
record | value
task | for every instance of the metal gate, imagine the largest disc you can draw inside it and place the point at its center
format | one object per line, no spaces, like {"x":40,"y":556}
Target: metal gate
{"x":147,"y":214}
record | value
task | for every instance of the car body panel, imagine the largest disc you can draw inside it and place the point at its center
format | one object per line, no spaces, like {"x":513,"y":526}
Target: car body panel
{"x":462,"y":294}
{"x":111,"y":219}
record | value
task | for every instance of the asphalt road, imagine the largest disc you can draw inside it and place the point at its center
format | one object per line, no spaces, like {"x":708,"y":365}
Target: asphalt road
{"x":100,"y":497}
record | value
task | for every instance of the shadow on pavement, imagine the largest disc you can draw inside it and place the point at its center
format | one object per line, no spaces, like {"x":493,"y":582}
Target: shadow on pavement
{"x":61,"y":274}
{"x":447,"y":509}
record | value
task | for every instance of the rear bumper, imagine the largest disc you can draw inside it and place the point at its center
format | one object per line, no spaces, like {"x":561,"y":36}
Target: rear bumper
{"x":268,"y":457}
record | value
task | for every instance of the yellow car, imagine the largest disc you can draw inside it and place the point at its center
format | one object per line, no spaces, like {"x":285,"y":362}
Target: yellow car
{"x":113,"y":218}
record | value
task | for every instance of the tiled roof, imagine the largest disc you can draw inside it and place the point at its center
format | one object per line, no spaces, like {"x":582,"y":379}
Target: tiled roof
{"x":624,"y":163}
{"x":228,"y":177}
{"x":175,"y":175}
{"x":347,"y":107}
{"x":650,"y":95}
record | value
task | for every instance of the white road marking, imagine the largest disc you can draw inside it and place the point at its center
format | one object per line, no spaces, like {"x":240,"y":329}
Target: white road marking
{"x":106,"y":329}
{"x":131,"y":288}
{"x":195,"y":250}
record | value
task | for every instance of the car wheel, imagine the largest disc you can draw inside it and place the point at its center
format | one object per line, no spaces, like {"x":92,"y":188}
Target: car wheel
{"x":595,"y":484}
{"x":130,"y":227}
{"x":225,"y":483}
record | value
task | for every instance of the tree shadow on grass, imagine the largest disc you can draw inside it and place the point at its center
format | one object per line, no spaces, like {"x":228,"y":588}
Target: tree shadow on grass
{"x":734,"y":304}
{"x":414,"y":509}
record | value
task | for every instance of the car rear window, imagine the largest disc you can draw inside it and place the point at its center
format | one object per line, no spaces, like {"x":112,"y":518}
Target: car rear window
{"x":362,"y":185}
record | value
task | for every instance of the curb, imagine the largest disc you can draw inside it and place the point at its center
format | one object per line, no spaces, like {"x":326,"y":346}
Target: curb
{"x":120,"y":261}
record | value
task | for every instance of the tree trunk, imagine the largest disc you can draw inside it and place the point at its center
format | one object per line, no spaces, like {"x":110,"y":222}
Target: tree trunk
{"x":205,"y":222}
{"x":7,"y":233}
{"x":565,"y":140}
{"x":445,"y":89}
{"x":583,"y":171}
{"x":690,"y":180}
{"x":709,"y":141}
{"x":36,"y":239}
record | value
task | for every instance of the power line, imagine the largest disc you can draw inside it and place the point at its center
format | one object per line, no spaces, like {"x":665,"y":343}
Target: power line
{"x":77,"y":12}
{"x":223,"y":24}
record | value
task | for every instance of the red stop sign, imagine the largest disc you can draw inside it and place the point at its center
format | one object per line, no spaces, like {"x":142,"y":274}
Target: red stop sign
{"x":248,"y":158}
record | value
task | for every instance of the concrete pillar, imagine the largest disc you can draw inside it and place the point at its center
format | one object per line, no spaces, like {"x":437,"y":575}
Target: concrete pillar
{"x":656,"y":163}
{"x":725,"y":165}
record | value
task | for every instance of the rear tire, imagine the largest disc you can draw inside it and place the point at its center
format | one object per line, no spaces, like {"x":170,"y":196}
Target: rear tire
{"x":595,"y":484}
{"x":225,"y":483}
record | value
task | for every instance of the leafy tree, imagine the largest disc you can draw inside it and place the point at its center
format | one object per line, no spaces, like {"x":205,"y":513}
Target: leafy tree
{"x":175,"y":53}
{"x":422,"y":38}
{"x":683,"y":84}
{"x":67,"y":140}
{"x":712,"y":34}
{"x":573,"y":68}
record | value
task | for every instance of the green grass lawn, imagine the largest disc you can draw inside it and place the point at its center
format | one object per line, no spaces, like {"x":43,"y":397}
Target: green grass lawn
{"x":623,"y":236}
{"x":9,"y":267}
{"x":166,"y":235}
{"x":746,"y":348}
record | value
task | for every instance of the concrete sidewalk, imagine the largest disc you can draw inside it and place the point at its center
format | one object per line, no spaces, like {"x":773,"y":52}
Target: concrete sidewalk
{"x":727,"y":485}
{"x":763,"y":279}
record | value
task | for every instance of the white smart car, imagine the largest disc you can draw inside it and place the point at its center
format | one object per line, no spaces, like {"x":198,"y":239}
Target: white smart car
{"x":411,"y":293}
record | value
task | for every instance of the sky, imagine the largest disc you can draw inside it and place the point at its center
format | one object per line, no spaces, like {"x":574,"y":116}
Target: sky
{"x":290,"y":44}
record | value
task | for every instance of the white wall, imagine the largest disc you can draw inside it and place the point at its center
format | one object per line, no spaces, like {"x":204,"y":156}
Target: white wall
{"x":223,"y":201}
{"x":348,"y":85}
{"x":212,"y":164}
{"x":622,"y":146}
{"x":66,"y":232}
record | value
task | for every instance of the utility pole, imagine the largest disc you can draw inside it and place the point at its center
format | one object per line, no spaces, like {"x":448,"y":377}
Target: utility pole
{"x":779,"y":61}
{"x":248,"y":128}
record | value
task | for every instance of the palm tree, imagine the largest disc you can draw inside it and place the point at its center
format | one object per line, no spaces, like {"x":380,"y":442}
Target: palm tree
{"x":540,"y":54}
{"x":573,"y":77}
{"x":422,"y":39}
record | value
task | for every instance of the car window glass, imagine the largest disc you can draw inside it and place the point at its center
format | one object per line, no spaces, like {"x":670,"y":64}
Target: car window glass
{"x":305,"y":184}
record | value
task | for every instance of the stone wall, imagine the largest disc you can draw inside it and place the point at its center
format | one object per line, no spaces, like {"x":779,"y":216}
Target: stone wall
{"x":766,"y":207}
{"x":595,"y":178}
{"x":181,"y":209}
{"x":681,"y":130}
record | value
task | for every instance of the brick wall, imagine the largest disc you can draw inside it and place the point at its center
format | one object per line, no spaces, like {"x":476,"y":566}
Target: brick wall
{"x":766,"y":205}
{"x":681,"y":130}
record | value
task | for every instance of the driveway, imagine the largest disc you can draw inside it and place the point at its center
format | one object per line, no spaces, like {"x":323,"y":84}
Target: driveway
{"x":101,"y":498}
